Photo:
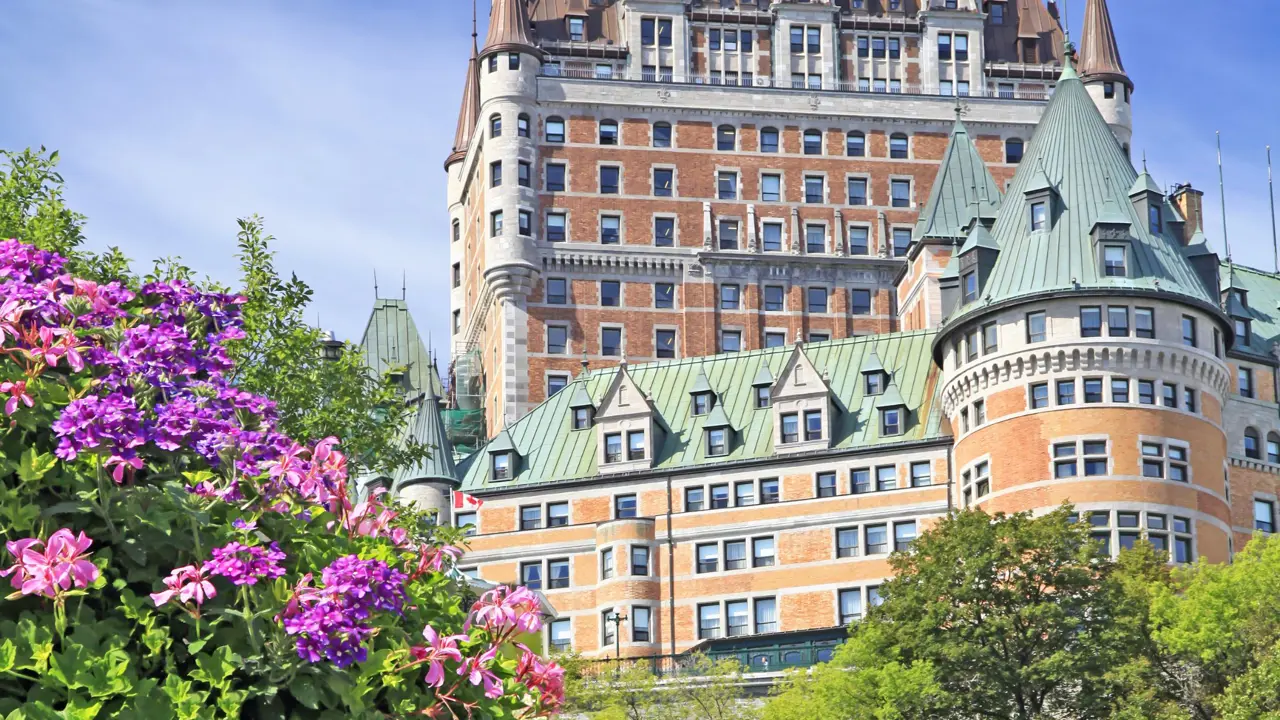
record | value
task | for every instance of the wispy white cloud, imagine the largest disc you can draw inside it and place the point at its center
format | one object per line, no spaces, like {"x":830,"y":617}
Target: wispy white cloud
{"x":331,"y":119}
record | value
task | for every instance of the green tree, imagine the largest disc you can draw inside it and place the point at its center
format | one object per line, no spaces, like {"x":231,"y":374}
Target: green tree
{"x":703,"y":689}
{"x":1006,"y":617}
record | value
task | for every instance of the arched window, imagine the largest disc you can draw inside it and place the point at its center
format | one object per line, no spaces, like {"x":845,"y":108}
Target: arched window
{"x":898,"y":146}
{"x":726,"y":138}
{"x":1013,"y":150}
{"x":495,"y":126}
{"x":855,"y":144}
{"x":662,"y":135}
{"x":522,"y":125}
{"x":555,"y":130}
{"x":608,"y":132}
{"x":1273,"y":448}
{"x":812,"y":142}
{"x":1251,"y":444}
{"x":769,"y":140}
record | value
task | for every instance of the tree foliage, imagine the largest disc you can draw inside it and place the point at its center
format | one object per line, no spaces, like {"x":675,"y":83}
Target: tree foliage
{"x":702,"y":689}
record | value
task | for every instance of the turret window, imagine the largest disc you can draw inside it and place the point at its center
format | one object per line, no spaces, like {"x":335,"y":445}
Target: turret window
{"x":1115,"y":262}
{"x":1091,"y":322}
{"x":1036,"y":331}
{"x":522,"y":125}
{"x":1117,"y":321}
{"x":1144,"y":322}
{"x":1109,"y":90}
{"x":513,"y":61}
{"x":1039,"y":214}
{"x":1273,"y":448}
{"x":495,"y":126}
{"x":1189,"y":331}
{"x":495,"y":223}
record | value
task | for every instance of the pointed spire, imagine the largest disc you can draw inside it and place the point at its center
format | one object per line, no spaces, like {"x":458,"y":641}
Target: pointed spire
{"x":1099,"y":53}
{"x":962,"y":183}
{"x":891,"y":398}
{"x":469,"y":113}
{"x":509,"y":29}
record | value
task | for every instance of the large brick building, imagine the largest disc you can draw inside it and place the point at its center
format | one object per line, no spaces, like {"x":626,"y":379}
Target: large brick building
{"x":1044,"y":331}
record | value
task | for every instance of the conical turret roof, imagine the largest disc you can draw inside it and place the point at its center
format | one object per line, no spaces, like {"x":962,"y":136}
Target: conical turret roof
{"x":428,"y":428}
{"x":962,"y":184}
{"x":1075,"y":152}
{"x":509,"y":29}
{"x":1099,"y":53}
{"x":469,"y":112}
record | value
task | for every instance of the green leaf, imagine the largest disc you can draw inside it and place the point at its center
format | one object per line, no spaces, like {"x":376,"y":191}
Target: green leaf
{"x":34,"y":465}
{"x":304,"y":691}
{"x":216,"y":669}
{"x":81,"y":709}
{"x":8,"y":655}
{"x":196,"y":645}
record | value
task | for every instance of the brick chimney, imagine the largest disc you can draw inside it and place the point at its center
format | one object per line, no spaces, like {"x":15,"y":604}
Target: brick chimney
{"x":1190,"y":202}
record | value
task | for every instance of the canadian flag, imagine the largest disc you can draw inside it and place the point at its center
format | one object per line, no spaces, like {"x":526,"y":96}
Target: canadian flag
{"x":463,"y":501}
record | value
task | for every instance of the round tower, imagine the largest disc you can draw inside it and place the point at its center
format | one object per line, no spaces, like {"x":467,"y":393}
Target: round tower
{"x":1082,"y":361}
{"x":1103,"y":72}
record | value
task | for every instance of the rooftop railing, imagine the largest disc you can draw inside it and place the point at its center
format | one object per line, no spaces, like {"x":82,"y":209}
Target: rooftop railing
{"x":609,"y":74}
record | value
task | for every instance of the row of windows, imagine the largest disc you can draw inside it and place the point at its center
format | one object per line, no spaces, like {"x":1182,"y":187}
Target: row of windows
{"x":665,"y":345}
{"x":728,"y":234}
{"x":1121,"y":530}
{"x":745,"y":493}
{"x":879,"y":479}
{"x":733,"y":618}
{"x":1123,"y":390}
{"x":773,"y":297}
{"x":873,"y":539}
{"x":708,"y":555}
{"x":1252,"y":445}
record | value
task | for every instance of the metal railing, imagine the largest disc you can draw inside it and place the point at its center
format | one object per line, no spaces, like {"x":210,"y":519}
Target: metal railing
{"x":756,"y":660}
{"x":766,"y":82}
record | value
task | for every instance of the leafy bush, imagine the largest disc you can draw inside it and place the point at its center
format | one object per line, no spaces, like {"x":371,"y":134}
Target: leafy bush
{"x":173,"y":554}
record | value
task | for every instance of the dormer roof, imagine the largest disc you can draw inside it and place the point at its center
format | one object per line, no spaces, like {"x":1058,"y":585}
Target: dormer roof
{"x":891,"y":398}
{"x":1144,"y":183}
{"x":717,"y":419}
{"x":962,"y":183}
{"x":1112,"y":215}
{"x":581,"y":398}
{"x":763,"y":376}
{"x":979,"y":238}
{"x":872,"y":364}
{"x":623,"y":397}
{"x":502,"y":442}
{"x":701,"y":385}
{"x":799,"y":377}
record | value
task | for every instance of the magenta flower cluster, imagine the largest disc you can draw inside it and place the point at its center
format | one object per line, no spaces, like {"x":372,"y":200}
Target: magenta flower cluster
{"x":332,"y":621}
{"x":51,"y":567}
{"x":246,"y":564}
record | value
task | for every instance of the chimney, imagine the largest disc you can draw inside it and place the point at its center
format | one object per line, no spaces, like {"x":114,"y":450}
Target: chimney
{"x":1190,"y":202}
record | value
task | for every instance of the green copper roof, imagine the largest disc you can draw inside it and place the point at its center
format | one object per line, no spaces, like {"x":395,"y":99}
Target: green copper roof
{"x":1144,"y":184}
{"x":552,"y":451}
{"x":391,"y":339}
{"x":580,"y":398}
{"x":872,"y":364}
{"x":1112,"y":215}
{"x":764,"y":377}
{"x":1262,"y":291}
{"x":502,"y":442}
{"x":963,"y":182}
{"x":979,"y":237}
{"x":428,"y":429}
{"x":891,"y":397}
{"x":701,"y":385}
{"x":718,"y":418}
{"x":1075,"y":151}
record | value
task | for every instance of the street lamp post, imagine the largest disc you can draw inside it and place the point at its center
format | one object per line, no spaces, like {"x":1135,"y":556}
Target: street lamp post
{"x":617,"y":619}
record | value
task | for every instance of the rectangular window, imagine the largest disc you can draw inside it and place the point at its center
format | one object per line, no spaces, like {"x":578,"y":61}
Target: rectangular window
{"x":609,"y":175}
{"x":861,"y":481}
{"x":610,"y":293}
{"x":530,"y":517}
{"x":728,"y":234}
{"x":1093,"y":390}
{"x":663,"y":182}
{"x":613,"y":448}
{"x":1144,"y":322}
{"x":1039,"y":396}
{"x":1146,"y":392}
{"x":886,"y":478}
{"x":769,"y":492}
{"x":708,"y":558}
{"x":990,"y":338}
{"x":1169,"y":395}
{"x":850,"y":606}
{"x":557,"y":339}
{"x":1066,"y":392}
{"x":920,"y":474}
{"x":847,"y":542}
{"x":738,"y":620}
{"x":815,"y":239}
{"x":555,"y":177}
{"x":495,"y":223}
{"x":664,"y":295}
{"x":826,"y":484}
{"x":904,"y":533}
{"x":561,"y":635}
{"x":901,"y":241}
{"x":526,"y":222}
{"x":1117,"y":321}
{"x":877,"y":539}
{"x":557,"y":291}
{"x":664,"y":231}
{"x":611,"y":342}
{"x":774,"y":298}
{"x":1090,"y":322}
{"x":735,"y":554}
{"x":857,"y":191}
{"x":730,"y":340}
{"x":524,"y":175}
{"x":944,"y":47}
{"x":766,"y":615}
{"x":860,"y":302}
{"x":812,"y":425}
{"x":556,"y":383}
{"x":744,"y":493}
{"x":1036,"y":328}
{"x":466,"y":521}
{"x":531,"y":575}
{"x":1114,"y":261}
{"x":719,"y":496}
{"x":1189,"y":400}
{"x":814,"y":188}
{"x":1188,"y":331}
{"x":556,"y":227}
{"x":1064,"y":463}
{"x":858,"y":241}
{"x":979,"y":412}
{"x":665,"y":343}
{"x":639,"y":624}
{"x":694,"y":499}
{"x":640,"y":560}
{"x":708,"y":621}
{"x":610,"y":229}
{"x":624,"y":506}
{"x":557,"y":574}
{"x":635,"y":445}
{"x":1264,"y":515}
{"x":816,"y":299}
{"x":900,"y":191}
{"x":557,"y":514}
{"x":1244,"y":382}
{"x":772,"y":237}
{"x":1039,"y":214}
{"x":495,"y":174}
{"x":727,"y":185}
{"x":1119,"y":390}
{"x":970,"y":281}
{"x":771,"y":188}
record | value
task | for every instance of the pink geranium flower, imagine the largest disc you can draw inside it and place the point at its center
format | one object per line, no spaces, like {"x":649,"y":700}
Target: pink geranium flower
{"x":188,"y":583}
{"x":438,"y":649}
{"x":477,"y":672}
{"x":17,"y":393}
{"x":51,"y":567}
{"x":502,"y":609}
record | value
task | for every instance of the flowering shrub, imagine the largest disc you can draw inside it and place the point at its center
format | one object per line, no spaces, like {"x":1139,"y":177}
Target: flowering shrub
{"x":173,"y":554}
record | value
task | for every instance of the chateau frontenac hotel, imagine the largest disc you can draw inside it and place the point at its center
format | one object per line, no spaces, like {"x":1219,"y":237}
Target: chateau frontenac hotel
{"x":748,"y":294}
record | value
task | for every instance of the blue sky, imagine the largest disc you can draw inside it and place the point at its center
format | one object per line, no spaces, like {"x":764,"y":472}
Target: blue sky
{"x":331,"y":118}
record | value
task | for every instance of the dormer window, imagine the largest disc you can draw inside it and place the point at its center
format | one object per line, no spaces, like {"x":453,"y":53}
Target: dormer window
{"x":702,"y":403}
{"x":581,"y":418}
{"x":501,"y":466}
{"x":812,"y":425}
{"x":1039,"y":214}
{"x":890,"y":421}
{"x":1115,"y":261}
{"x":577,"y":29}
{"x":613,"y":448}
{"x":970,"y":281}
{"x":1153,"y":216}
{"x":635,"y":445}
{"x":790,"y":428}
{"x":717,"y":442}
{"x":762,"y":397}
{"x":1242,"y":296}
{"x":875,"y":383}
{"x":1243,"y":331}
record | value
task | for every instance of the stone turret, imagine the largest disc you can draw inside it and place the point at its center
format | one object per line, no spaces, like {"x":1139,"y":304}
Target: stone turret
{"x":1103,"y":72}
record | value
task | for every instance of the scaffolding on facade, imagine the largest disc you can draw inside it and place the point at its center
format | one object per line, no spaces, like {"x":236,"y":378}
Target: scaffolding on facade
{"x":464,"y":420}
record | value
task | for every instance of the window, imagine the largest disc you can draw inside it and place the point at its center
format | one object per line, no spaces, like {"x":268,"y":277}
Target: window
{"x":610,"y":293}
{"x":997,"y":13}
{"x":790,"y":428}
{"x":815,"y":239}
{"x":1036,"y":327}
{"x":850,"y":606}
{"x":557,"y":339}
{"x":847,"y":542}
{"x":904,"y":533}
{"x":717,"y":442}
{"x":730,"y":340}
{"x":1242,"y":331}
{"x":719,"y":496}
{"x":1117,"y":321}
{"x":772,"y":240}
{"x":826,"y":483}
{"x":728,"y":230}
{"x":1251,"y":444}
{"x":898,"y":146}
{"x":901,"y":193}
{"x":466,"y":521}
{"x":1264,"y":515}
{"x":555,"y":177}
{"x":858,"y":240}
{"x":501,"y":466}
{"x":1189,"y":400}
{"x":1273,"y":448}
{"x":961,"y":44}
{"x":920,"y":474}
{"x":770,"y":188}
{"x":726,"y":138}
{"x":971,"y":344}
{"x":901,"y":241}
{"x":990,"y":338}
{"x":814,"y":188}
{"x":860,"y":302}
{"x":1119,"y":390}
{"x":1188,"y":331}
{"x":1153,"y":218}
{"x":664,"y":295}
{"x":708,"y":558}
{"x":891,"y":421}
{"x":495,"y":125}
{"x":608,"y":132}
{"x":735,"y":554}
{"x":744,"y":493}
{"x":495,"y":223}
{"x":1182,"y":551}
{"x":886,"y":478}
{"x":877,"y":539}
{"x":857,"y":191}
{"x":1144,"y":323}
{"x":812,"y":142}
{"x":1114,"y":261}
{"x":624,"y":506}
{"x":555,"y":130}
{"x":613,"y":448}
{"x":1146,"y":392}
{"x":611,"y":341}
{"x":979,"y":413}
{"x":1068,"y":458}
{"x":662,"y":135}
{"x":816,"y":299}
{"x":639,"y":560}
{"x":1169,"y":395}
{"x":1160,"y":460}
{"x":1013,"y":151}
{"x":1093,"y":390}
{"x":694,"y":499}
{"x":557,"y":514}
{"x":530,"y":517}
{"x":729,"y":296}
{"x":1244,"y":382}
{"x":769,"y":492}
{"x":1038,"y":215}
{"x":495,"y":174}
{"x":531,"y":575}
{"x":812,"y":425}
{"x":1066,"y":392}
{"x":773,"y":298}
{"x":766,"y":615}
{"x":525,"y":222}
{"x":577,"y":29}
{"x":1039,"y":396}
{"x":561,"y":635}
{"x":815,"y":337}
{"x":635,"y":445}
{"x":609,"y":175}
{"x":708,"y":621}
{"x":639,"y":624}
{"x":944,"y":47}
{"x":557,"y":574}
{"x":769,"y":140}
{"x":1090,"y":322}
{"x":665,"y":343}
{"x":556,"y":383}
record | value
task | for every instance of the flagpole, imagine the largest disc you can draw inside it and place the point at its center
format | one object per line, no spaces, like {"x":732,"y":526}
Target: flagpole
{"x":1271,"y":188}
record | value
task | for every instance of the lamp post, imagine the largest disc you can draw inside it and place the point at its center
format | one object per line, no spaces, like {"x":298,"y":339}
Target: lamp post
{"x":617,"y":619}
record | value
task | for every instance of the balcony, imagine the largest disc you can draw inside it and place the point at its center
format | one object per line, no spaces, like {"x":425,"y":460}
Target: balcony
{"x":767,"y":83}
